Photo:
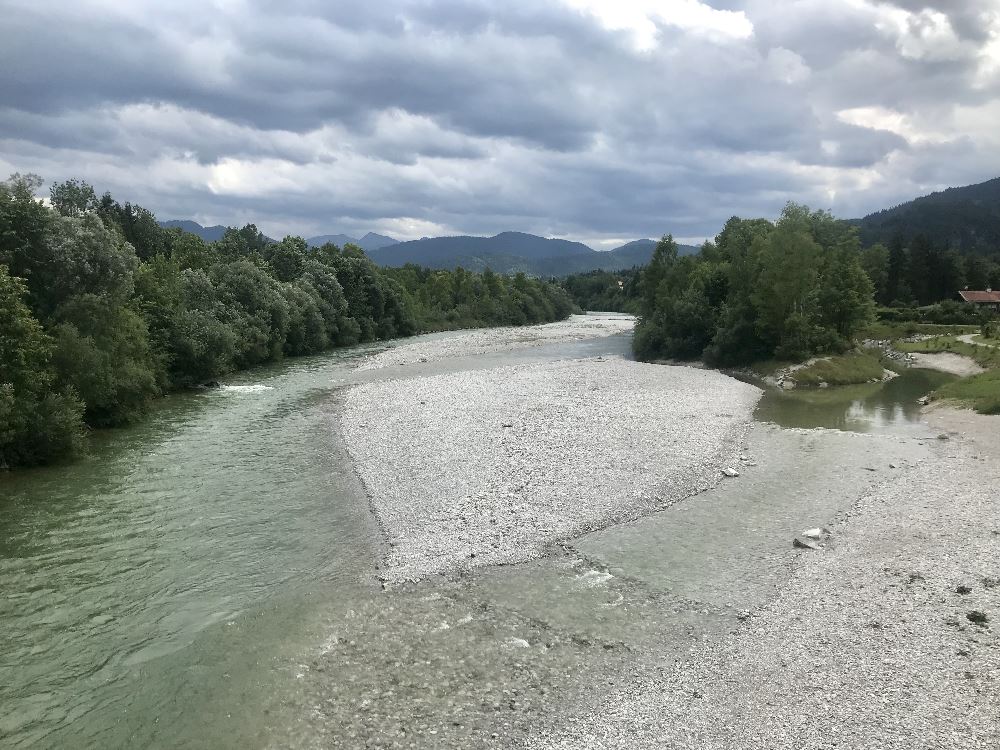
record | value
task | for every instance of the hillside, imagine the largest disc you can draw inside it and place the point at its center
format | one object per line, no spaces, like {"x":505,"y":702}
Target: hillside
{"x":209,"y":234}
{"x":965,"y":218}
{"x":507,"y":252}
{"x":369,"y":242}
{"x":511,"y":252}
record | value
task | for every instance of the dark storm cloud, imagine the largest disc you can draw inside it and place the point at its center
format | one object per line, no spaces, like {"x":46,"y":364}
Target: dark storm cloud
{"x":414,"y":116}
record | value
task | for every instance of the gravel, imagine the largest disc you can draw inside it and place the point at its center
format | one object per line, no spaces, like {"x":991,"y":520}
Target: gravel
{"x":876,"y":641}
{"x":494,"y":340}
{"x":493,"y":466}
{"x":954,"y":364}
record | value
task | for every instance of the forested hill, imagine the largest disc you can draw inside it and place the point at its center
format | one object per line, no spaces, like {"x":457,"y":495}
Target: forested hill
{"x":513,"y":252}
{"x":209,"y":234}
{"x":102,"y":309}
{"x":962,"y":218}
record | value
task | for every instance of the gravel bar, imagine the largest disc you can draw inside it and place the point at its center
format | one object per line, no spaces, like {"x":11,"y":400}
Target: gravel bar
{"x":888,"y":638}
{"x":492,"y":466}
{"x":495,"y":340}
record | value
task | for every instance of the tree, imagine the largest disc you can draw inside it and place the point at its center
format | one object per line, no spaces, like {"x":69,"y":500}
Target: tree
{"x":875,"y":261}
{"x":102,"y":352}
{"x":38,"y":423}
{"x":73,"y":198}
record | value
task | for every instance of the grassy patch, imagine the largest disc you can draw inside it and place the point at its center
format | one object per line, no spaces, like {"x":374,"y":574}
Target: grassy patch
{"x":847,"y":369}
{"x":985,"y":356}
{"x":980,"y":339}
{"x":982,"y":392}
{"x":901,"y":329}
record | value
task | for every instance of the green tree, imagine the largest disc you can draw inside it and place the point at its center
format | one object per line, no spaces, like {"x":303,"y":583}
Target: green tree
{"x":875,"y":261}
{"x":102,"y":352}
{"x":73,"y":198}
{"x":38,"y":423}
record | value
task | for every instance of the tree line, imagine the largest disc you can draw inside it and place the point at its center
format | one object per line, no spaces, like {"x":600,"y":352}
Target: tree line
{"x":787,"y":289}
{"x":604,"y":291}
{"x":920,"y":272}
{"x":102,"y":310}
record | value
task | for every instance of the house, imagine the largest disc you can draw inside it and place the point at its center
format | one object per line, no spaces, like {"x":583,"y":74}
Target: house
{"x":988,"y":300}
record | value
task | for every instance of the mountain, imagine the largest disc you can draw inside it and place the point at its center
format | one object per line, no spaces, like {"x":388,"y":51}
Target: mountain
{"x":209,"y":234}
{"x":965,"y":218}
{"x":370,"y":241}
{"x":507,"y":252}
{"x":511,"y":252}
{"x":337,"y":239}
{"x":446,"y":252}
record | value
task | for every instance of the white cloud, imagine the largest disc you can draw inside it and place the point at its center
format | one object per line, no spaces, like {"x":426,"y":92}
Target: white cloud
{"x":641,"y":18}
{"x":900,"y":123}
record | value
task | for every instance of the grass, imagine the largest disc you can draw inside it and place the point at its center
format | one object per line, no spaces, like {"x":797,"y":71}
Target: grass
{"x":897,"y":330}
{"x":984,"y":356}
{"x":980,"y":339}
{"x":981,"y":392}
{"x":847,"y":369}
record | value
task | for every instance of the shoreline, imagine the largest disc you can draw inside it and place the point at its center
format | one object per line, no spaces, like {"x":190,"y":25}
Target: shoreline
{"x":496,"y":466}
{"x":868,"y":642}
{"x":687,"y":624}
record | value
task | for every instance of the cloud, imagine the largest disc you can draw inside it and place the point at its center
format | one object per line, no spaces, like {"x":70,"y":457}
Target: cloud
{"x":579,"y":118}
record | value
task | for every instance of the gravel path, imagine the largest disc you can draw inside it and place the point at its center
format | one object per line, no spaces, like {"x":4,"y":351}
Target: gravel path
{"x":872,"y":644}
{"x":492,"y":466}
{"x":494,"y":340}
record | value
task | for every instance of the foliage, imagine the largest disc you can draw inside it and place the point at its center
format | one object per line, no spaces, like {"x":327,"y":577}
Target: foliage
{"x":38,"y":422}
{"x":761,"y":290}
{"x":964,"y":218}
{"x":102,"y":310}
{"x":604,"y":291}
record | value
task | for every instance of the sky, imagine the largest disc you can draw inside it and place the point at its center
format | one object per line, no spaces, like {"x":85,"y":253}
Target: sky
{"x":595,"y":120}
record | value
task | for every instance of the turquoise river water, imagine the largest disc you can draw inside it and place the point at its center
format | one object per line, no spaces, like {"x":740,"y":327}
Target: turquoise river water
{"x":206,"y":579}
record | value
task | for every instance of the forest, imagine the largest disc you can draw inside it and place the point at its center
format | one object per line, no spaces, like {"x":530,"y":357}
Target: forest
{"x":102,"y":310}
{"x":788,"y":289}
{"x":762,"y":290}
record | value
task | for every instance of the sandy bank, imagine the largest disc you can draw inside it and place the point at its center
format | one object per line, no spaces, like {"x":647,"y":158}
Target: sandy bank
{"x":954,"y":364}
{"x":491,"y":466}
{"x":872,"y":642}
{"x":495,"y":340}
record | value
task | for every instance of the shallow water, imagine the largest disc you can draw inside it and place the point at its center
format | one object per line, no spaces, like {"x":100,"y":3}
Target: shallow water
{"x":159,"y":592}
{"x":207,"y":579}
{"x":880,"y":408}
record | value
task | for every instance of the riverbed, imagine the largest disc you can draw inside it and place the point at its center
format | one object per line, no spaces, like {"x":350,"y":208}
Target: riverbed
{"x":214,"y":577}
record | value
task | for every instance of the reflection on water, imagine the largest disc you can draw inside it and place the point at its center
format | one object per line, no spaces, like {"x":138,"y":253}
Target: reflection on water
{"x":889,"y":407}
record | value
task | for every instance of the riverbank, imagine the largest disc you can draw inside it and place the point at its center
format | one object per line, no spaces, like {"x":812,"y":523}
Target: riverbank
{"x":886,"y":637}
{"x":612,"y":638}
{"x":490,"y":341}
{"x":494,"y":466}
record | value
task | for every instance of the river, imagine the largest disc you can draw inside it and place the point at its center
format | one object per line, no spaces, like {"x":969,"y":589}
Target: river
{"x":207,"y":578}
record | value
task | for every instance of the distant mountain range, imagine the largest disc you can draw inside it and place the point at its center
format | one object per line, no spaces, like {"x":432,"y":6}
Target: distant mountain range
{"x":511,"y":252}
{"x":507,"y":252}
{"x":209,"y":234}
{"x":370,"y":241}
{"x":964,"y":218}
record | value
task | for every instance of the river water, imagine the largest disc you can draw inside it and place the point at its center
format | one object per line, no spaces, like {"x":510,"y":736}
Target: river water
{"x":208,"y":578}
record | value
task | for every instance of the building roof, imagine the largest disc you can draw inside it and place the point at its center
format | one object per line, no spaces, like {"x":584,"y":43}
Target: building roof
{"x":988,"y":296}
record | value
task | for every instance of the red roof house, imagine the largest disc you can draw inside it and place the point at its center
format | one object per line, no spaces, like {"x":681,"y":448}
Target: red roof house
{"x":989,"y":298}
